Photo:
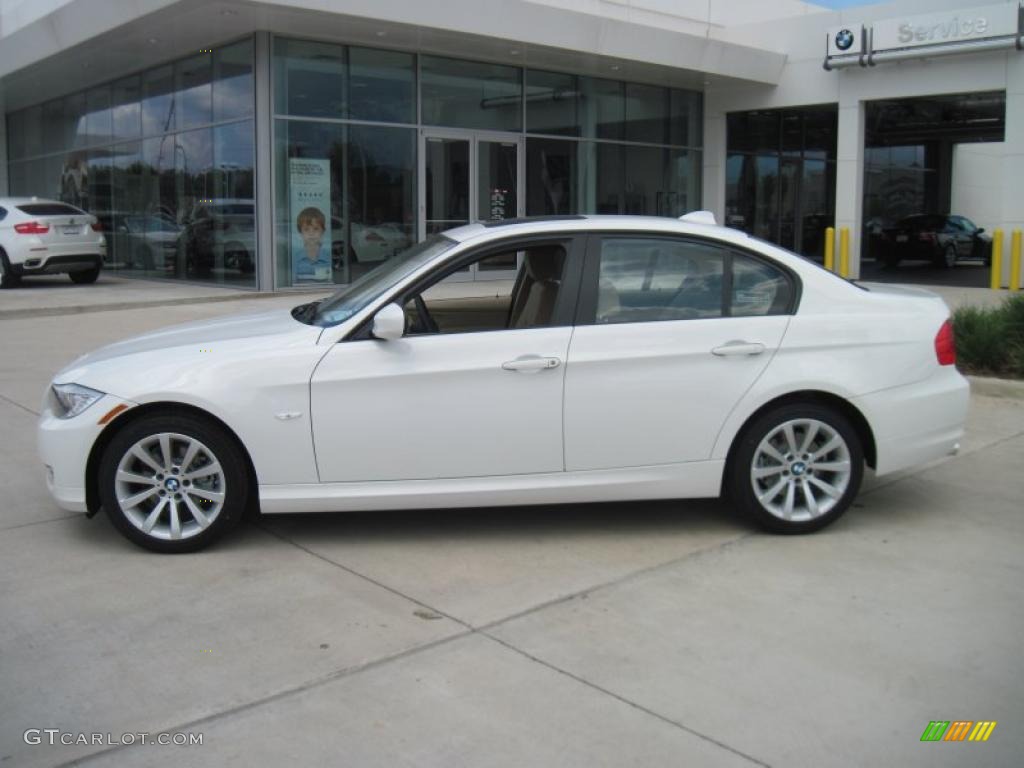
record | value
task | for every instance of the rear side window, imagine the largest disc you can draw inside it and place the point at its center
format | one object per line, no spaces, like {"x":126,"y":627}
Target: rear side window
{"x":50,"y":209}
{"x":758,"y":288}
{"x":648,"y":278}
{"x":644,"y":279}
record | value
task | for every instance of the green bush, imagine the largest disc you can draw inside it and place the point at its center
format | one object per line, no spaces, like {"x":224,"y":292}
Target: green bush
{"x":990,"y":341}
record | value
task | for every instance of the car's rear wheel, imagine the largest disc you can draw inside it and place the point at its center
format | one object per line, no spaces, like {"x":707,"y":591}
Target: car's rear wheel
{"x":85,"y":276}
{"x":797,"y":468}
{"x":949,"y":256}
{"x":173,"y":483}
{"x":7,"y":277}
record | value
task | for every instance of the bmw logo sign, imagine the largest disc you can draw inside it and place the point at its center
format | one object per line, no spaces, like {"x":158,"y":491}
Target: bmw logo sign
{"x":844,"y":39}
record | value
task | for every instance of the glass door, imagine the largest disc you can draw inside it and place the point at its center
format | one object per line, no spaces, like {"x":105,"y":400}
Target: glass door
{"x":469,"y":176}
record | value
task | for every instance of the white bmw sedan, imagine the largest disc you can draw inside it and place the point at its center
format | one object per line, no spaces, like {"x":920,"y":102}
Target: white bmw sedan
{"x":634,"y":358}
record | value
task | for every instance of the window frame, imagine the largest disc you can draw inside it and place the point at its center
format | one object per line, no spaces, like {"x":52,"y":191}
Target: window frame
{"x":586,"y":307}
{"x":566,"y":307}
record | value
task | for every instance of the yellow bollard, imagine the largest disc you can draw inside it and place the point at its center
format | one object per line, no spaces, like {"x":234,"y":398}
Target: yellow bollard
{"x":844,"y":252}
{"x":1015,"y":261}
{"x":997,"y":260}
{"x":830,"y":249}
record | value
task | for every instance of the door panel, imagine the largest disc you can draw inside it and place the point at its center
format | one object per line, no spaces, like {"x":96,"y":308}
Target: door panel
{"x":638,"y":394}
{"x":440,"y":406}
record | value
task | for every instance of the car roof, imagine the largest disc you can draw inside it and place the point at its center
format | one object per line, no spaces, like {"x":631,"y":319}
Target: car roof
{"x":27,"y":200}
{"x":484,"y":231}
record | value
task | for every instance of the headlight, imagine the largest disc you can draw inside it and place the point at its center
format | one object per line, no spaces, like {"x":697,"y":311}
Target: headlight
{"x":74,"y":398}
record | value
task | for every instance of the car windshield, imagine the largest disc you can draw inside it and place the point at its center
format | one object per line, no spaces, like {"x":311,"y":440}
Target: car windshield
{"x":355,"y":297}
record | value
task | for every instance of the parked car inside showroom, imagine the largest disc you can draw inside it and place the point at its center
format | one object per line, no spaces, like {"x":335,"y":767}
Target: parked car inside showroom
{"x":939,"y":238}
{"x":220,"y":233}
{"x":140,"y":241}
{"x":634,"y":358}
{"x":47,"y":237}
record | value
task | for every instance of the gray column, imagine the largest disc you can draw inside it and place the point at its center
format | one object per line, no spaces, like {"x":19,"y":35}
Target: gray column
{"x":1013,"y":158}
{"x":4,"y":190}
{"x":850,"y":177}
{"x":714,"y":157}
{"x":264,"y":123}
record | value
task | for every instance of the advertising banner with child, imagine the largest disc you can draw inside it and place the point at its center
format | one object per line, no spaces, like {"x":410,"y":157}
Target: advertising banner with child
{"x":310,"y":217}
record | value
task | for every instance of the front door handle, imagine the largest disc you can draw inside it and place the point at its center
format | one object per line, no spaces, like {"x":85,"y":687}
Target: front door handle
{"x":531,"y":364}
{"x":738,"y":348}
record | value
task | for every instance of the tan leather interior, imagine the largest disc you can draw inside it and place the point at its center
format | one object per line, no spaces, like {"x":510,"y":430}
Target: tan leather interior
{"x":534,"y":302}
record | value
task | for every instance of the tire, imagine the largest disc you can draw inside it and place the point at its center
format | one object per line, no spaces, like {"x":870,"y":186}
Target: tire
{"x":214,"y":505}
{"x":85,"y":276}
{"x":948,"y":260}
{"x":768,"y":473}
{"x":7,"y":277}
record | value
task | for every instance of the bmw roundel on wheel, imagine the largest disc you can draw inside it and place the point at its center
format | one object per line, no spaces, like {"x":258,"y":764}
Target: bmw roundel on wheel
{"x":633,"y":358}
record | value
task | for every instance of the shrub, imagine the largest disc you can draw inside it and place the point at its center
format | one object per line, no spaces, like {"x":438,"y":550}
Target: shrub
{"x":990,"y":340}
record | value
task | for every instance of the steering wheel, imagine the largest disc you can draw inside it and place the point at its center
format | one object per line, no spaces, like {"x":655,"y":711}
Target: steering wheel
{"x":426,"y":320}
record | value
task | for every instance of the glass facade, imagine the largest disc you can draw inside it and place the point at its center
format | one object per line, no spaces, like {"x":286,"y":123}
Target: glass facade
{"x":348,"y":154}
{"x":780,"y":175}
{"x":164,"y":159}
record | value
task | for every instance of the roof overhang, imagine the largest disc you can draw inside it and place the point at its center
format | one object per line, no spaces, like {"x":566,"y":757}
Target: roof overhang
{"x":84,"y":42}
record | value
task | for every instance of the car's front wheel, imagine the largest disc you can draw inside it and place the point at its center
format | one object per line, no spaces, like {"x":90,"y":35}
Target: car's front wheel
{"x":796,"y":468}
{"x":173,"y":483}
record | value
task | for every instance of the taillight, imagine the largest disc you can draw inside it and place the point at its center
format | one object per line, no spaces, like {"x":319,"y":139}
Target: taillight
{"x":373,"y":237}
{"x":32,"y":228}
{"x":928,"y":237}
{"x":945,"y":344}
{"x":96,"y":226}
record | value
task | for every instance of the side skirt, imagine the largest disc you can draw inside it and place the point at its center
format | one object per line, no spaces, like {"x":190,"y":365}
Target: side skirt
{"x":697,"y":479}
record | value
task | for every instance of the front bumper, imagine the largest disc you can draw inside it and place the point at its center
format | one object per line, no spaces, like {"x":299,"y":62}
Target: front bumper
{"x":917,"y":423}
{"x":64,"y":446}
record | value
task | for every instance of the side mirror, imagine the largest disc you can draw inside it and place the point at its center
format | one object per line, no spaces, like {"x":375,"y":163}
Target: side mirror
{"x":389,"y":323}
{"x":979,"y":230}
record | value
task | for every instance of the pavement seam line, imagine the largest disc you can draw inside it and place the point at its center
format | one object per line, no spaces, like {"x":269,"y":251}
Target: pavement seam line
{"x":330,"y":677}
{"x":620,"y":698}
{"x":72,"y":516}
{"x":18,"y":405}
{"x":612,"y":582}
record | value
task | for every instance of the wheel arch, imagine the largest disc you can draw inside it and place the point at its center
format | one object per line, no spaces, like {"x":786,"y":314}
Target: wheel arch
{"x":130,"y":416}
{"x":857,"y":420}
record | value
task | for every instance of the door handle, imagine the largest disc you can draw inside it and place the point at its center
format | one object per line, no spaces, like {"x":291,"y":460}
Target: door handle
{"x":531,"y":364}
{"x":739,"y":348}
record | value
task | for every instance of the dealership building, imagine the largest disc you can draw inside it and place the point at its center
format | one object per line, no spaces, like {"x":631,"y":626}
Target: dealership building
{"x":228,"y":141}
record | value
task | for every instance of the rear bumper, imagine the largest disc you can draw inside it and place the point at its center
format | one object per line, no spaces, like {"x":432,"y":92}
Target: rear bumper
{"x":44,"y":265}
{"x":917,"y":423}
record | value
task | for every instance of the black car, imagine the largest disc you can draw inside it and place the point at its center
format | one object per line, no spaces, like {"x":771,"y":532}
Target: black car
{"x":940,"y":238}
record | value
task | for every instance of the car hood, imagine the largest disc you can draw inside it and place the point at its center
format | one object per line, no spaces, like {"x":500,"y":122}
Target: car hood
{"x":269,"y":328}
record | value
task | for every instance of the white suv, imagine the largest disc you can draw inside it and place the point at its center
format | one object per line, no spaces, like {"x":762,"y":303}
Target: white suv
{"x":45,"y":237}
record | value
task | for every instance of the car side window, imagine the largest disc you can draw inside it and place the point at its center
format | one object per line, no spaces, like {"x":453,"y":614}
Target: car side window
{"x":758,"y":288}
{"x":644,"y":279}
{"x":527,"y":301}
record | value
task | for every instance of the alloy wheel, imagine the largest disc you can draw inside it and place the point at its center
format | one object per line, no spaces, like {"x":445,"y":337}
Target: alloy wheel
{"x":170,"y":486}
{"x":800,"y":470}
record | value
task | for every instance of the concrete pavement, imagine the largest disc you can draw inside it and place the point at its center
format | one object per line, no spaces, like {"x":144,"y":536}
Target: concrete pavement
{"x":662,"y":633}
